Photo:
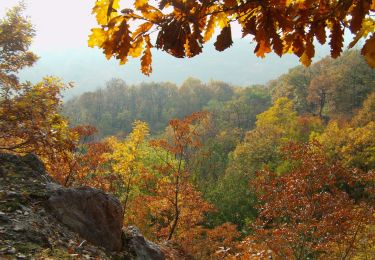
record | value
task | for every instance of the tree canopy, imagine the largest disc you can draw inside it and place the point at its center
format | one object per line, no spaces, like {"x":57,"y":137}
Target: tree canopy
{"x":183,"y":27}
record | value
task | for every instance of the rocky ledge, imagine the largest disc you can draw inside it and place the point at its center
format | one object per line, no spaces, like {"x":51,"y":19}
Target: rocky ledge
{"x":39,"y":219}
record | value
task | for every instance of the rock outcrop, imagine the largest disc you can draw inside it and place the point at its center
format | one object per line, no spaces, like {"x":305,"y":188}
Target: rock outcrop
{"x":40,"y":219}
{"x":141,"y":247}
{"x":95,"y":215}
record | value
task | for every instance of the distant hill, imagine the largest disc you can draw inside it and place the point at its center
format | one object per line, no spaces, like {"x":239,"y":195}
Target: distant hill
{"x":89,"y":69}
{"x":346,"y":82}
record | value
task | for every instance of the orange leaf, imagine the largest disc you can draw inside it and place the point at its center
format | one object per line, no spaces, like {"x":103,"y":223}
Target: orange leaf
{"x":123,"y":43}
{"x":261,"y":49}
{"x":146,"y":59}
{"x":143,"y":28}
{"x":305,"y":59}
{"x":230,"y":3}
{"x":368,"y":51}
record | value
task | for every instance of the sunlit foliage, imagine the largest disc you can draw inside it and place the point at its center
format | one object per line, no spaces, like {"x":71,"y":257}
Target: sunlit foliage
{"x":183,"y":27}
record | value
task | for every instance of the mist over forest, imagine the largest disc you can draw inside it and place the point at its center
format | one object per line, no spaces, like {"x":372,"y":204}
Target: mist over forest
{"x":78,"y":65}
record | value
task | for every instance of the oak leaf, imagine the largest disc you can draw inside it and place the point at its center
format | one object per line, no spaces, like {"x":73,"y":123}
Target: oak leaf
{"x":305,"y":59}
{"x":337,"y":38}
{"x":249,"y":26}
{"x":358,"y":14}
{"x":124,"y":42}
{"x":137,"y":47}
{"x":369,"y":51}
{"x":320,"y":33}
{"x":139,"y":4}
{"x":104,"y":10}
{"x":277,"y":44}
{"x":224,"y":39}
{"x":261,"y":49}
{"x":97,"y":38}
{"x":280,"y":26}
{"x":143,"y":28}
{"x":146,"y":59}
{"x":210,"y":29}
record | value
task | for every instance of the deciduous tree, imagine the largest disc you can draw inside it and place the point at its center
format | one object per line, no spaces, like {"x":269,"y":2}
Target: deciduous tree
{"x":176,"y":187}
{"x":30,"y":119}
{"x":127,"y":159}
{"x":16,"y":34}
{"x":30,"y":122}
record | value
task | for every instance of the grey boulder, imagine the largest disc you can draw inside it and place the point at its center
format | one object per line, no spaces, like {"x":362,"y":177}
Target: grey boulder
{"x":95,"y":215}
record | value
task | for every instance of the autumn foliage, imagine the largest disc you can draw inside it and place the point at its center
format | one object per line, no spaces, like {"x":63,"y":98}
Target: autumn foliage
{"x":317,"y":209}
{"x":283,"y":171}
{"x":183,"y":206}
{"x":30,"y":119}
{"x":183,"y":27}
{"x":127,"y":160}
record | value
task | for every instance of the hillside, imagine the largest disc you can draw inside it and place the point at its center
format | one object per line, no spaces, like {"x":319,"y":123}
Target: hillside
{"x":329,"y":88}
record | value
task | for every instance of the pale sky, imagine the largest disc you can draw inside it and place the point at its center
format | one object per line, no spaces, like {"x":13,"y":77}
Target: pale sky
{"x":62,"y":24}
{"x":62,"y":29}
{"x":58,"y":23}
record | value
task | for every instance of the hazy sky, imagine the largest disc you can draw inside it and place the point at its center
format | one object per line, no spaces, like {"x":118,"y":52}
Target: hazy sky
{"x":62,"y":23}
{"x":62,"y":28}
{"x":59,"y":23}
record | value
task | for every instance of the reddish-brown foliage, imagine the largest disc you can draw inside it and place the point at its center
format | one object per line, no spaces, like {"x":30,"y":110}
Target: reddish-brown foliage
{"x":183,"y":27}
{"x":316,"y":209}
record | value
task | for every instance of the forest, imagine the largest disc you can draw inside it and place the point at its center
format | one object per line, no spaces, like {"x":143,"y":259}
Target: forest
{"x":240,"y":143}
{"x":284,"y":170}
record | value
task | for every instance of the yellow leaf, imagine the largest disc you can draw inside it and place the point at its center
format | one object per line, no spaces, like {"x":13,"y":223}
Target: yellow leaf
{"x":104,"y":10}
{"x":368,"y":26}
{"x":187,"y":48}
{"x":137,"y":47}
{"x":100,"y":13}
{"x":138,"y":4}
{"x":97,"y":38}
{"x":115,"y":4}
{"x":222,"y":20}
{"x":210,"y":29}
